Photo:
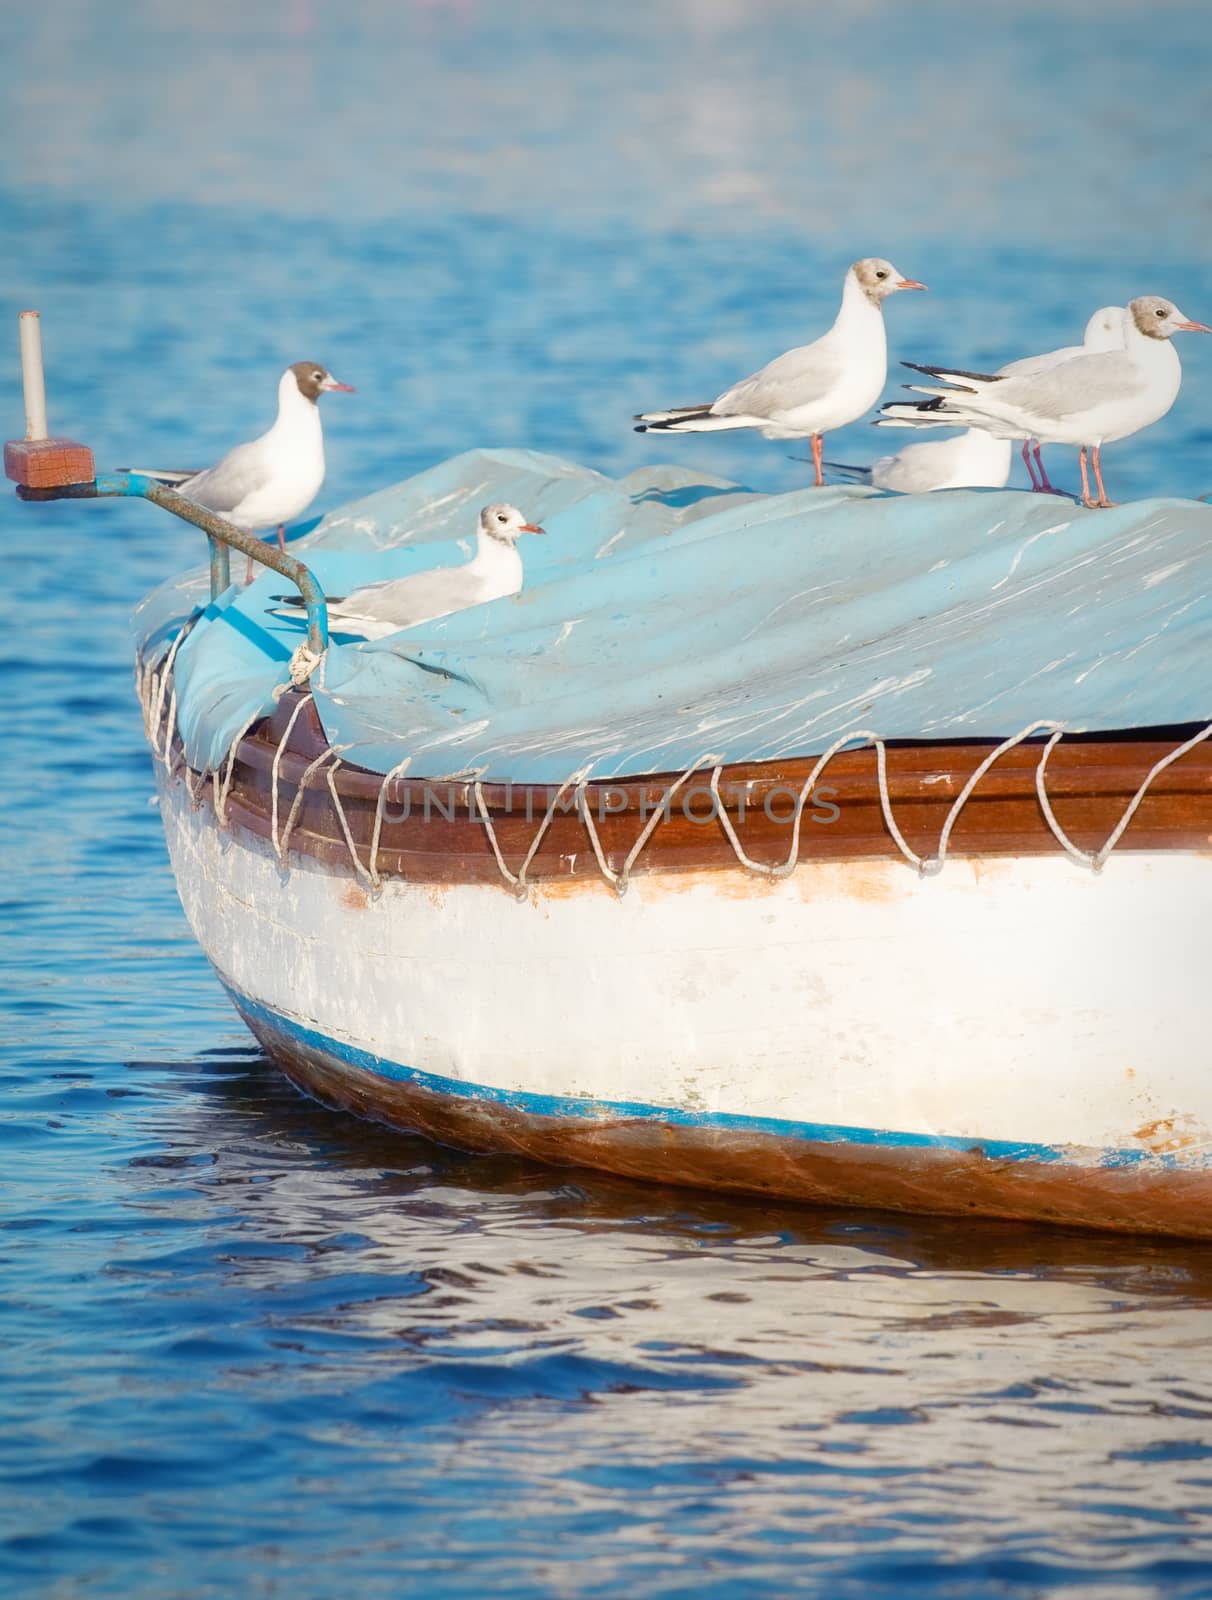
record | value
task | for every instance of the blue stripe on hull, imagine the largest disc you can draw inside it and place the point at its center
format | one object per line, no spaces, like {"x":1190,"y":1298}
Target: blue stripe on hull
{"x":583,"y":1108}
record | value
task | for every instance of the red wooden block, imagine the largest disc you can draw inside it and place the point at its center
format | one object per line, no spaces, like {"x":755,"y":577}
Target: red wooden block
{"x":48,"y":463}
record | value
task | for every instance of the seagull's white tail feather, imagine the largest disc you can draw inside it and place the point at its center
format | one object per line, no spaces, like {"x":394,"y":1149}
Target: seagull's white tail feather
{"x":702,"y":422}
{"x":673,"y":414}
{"x":916,"y":414}
{"x":915,"y":422}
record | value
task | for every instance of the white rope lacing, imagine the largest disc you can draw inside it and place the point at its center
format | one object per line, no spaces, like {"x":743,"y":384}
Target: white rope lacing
{"x":517,"y":881}
{"x":168,"y":754}
{"x":144,"y":682}
{"x":222,"y":792}
{"x":586,"y":815}
{"x":296,"y":804}
{"x":162,"y":677}
{"x":926,"y":866}
{"x":340,"y":810}
{"x":934,"y":865}
{"x":660,"y":815}
{"x":303,"y":663}
{"x":398,"y":771}
{"x":890,"y":822}
{"x":196,"y":788}
{"x":141,"y":683}
{"x":1096,"y":860}
{"x":783,"y":869}
{"x":151,"y":685}
{"x":511,"y":878}
{"x":282,"y":743}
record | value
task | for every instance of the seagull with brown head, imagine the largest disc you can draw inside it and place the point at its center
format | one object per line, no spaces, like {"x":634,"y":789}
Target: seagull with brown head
{"x":814,"y":388}
{"x":271,"y":480}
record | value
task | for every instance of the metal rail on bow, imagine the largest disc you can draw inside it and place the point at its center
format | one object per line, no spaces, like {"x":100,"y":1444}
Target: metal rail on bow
{"x":60,"y":469}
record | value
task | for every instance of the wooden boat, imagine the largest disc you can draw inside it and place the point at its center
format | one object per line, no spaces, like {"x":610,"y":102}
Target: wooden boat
{"x":889,"y":976}
{"x":1013,"y":1036}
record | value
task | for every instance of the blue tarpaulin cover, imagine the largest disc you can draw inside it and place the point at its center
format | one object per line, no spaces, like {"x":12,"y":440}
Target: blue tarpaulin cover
{"x":669,"y":615}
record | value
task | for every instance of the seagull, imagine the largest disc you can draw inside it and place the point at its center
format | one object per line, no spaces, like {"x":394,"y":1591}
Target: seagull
{"x":1104,"y":331}
{"x":972,"y":460}
{"x":815,"y":388}
{"x":269,"y":481}
{"x":378,"y":609}
{"x":1087,"y":401}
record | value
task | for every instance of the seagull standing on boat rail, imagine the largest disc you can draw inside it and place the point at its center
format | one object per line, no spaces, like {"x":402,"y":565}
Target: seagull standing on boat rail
{"x":1089,"y":401}
{"x":813,"y":389}
{"x":1104,"y":331}
{"x":377,"y":609}
{"x":269,"y":481}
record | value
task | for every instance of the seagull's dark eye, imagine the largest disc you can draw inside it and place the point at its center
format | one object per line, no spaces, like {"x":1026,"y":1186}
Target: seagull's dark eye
{"x":1161,"y":312}
{"x":318,"y":376}
{"x":500,"y":516}
{"x":882,"y":273}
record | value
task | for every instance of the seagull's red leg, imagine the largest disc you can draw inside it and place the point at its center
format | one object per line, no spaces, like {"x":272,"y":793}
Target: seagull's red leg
{"x":818,"y":448}
{"x":1027,"y":463}
{"x":1098,"y":478}
{"x":281,"y":538}
{"x":248,"y":571}
{"x":1045,"y":482}
{"x":1081,"y":461}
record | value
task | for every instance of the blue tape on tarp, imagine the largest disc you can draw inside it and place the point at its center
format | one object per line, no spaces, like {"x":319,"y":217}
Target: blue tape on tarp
{"x":668,"y":615}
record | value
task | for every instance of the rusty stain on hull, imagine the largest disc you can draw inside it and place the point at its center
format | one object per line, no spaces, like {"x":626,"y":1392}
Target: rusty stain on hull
{"x":1140,"y":1197}
{"x":1167,"y":1135}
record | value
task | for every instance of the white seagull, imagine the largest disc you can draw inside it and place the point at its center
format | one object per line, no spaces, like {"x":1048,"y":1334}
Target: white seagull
{"x":269,"y":481}
{"x":1088,"y":401}
{"x":1104,"y":331}
{"x":378,"y":609}
{"x":972,"y":460}
{"x":811,"y":390}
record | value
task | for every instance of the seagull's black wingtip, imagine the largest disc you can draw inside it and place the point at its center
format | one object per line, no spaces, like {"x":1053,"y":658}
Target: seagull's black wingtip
{"x":297,"y":603}
{"x":950,"y":374}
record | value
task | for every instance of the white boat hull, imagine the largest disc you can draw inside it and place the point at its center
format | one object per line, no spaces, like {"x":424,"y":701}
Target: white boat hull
{"x":1015,"y":1036}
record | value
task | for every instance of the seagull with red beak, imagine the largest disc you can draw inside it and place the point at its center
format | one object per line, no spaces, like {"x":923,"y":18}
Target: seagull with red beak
{"x":378,"y":609}
{"x":811,"y":390}
{"x":269,"y":481}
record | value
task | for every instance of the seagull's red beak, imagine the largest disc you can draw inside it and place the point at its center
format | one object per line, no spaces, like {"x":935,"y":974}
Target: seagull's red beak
{"x":532,"y":527}
{"x":909,"y":283}
{"x":345,"y":388}
{"x":1193,"y":327}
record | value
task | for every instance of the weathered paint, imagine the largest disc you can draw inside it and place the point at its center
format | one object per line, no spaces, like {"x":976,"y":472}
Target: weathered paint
{"x":1026,"y":1015}
{"x":1134,"y":1196}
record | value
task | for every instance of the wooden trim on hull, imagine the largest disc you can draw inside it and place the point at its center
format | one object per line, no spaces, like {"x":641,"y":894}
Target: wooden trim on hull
{"x":1137,"y":1197}
{"x":431,"y":831}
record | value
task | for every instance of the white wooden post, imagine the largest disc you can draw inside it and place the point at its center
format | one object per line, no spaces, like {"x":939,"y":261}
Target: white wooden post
{"x":32,"y":377}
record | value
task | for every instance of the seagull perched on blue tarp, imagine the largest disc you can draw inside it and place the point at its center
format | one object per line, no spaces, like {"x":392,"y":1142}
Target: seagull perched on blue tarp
{"x":378,"y":609}
{"x":813,"y":389}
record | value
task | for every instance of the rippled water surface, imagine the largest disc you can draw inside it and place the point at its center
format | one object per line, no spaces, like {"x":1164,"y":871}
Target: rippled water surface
{"x":249,"y":1347}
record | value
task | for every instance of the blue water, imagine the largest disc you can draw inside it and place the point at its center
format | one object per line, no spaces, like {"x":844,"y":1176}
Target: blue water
{"x":249,"y":1347}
